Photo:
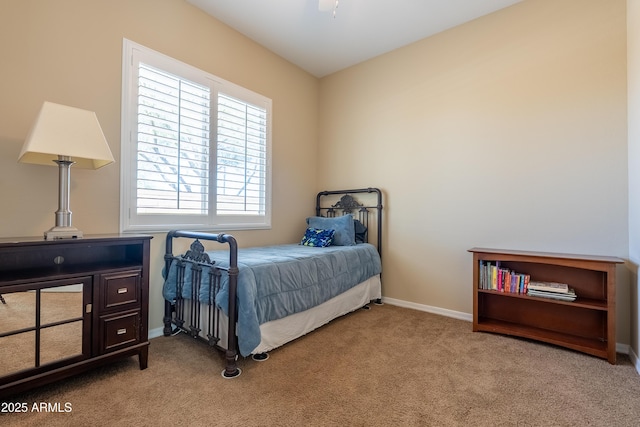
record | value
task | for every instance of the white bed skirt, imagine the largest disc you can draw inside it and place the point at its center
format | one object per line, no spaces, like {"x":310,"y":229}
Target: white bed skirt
{"x":279,"y":332}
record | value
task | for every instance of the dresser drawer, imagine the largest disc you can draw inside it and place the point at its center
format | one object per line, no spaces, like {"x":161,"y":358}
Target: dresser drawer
{"x":120,"y":290}
{"x":120,"y":330}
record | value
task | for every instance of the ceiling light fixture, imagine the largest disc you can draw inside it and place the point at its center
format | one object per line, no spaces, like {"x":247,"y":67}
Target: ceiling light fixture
{"x":327,"y":5}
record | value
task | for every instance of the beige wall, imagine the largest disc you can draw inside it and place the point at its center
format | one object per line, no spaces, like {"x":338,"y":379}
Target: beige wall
{"x":633,"y":78}
{"x":507,"y":132}
{"x":69,"y":52}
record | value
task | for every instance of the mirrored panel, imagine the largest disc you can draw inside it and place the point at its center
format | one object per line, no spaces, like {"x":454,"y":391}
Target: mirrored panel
{"x":58,"y":335}
{"x":17,"y":352}
{"x":61,"y":341}
{"x":60,"y":303}
{"x":18,"y":311}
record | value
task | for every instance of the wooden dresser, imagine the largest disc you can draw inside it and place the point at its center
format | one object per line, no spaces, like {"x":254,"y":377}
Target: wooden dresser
{"x":70,"y":305}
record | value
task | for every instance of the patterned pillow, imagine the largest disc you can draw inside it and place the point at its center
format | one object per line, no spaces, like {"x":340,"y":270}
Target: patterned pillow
{"x":317,"y":237}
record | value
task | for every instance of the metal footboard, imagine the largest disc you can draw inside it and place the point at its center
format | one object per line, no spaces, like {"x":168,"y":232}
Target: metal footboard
{"x":176,"y":311}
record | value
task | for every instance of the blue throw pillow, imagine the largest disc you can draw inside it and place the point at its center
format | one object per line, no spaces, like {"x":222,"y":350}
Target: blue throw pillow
{"x":343,"y":225}
{"x":317,"y":237}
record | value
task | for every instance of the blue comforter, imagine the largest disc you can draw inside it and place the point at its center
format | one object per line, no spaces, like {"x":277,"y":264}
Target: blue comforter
{"x":276,"y":281}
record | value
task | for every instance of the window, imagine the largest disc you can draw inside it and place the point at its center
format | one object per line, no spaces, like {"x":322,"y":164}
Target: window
{"x":195,"y":148}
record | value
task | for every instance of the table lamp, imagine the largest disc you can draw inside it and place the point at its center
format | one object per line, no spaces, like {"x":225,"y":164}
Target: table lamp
{"x":65,"y":136}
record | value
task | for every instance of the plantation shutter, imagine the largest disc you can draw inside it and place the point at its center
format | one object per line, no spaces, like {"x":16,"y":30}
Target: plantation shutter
{"x":241,"y":157}
{"x":173,"y":144}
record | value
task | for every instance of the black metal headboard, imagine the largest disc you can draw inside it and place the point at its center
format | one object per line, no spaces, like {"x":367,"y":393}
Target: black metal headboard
{"x":351,"y":205}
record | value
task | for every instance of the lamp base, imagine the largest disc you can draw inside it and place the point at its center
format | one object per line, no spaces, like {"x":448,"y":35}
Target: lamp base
{"x":58,"y":233}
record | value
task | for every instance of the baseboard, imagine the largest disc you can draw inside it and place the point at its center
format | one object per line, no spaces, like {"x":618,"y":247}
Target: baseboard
{"x":634,"y":360}
{"x":155,"y":333}
{"x":623,"y":348}
{"x":429,"y":309}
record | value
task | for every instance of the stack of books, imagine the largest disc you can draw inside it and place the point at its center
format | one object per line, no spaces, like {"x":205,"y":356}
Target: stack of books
{"x":559,"y":291}
{"x":496,"y":278}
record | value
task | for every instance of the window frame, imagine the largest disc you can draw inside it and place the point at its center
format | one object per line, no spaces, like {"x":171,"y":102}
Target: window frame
{"x":130,"y":220}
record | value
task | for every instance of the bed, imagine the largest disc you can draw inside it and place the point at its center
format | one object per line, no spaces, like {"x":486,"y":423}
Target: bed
{"x":276,"y":294}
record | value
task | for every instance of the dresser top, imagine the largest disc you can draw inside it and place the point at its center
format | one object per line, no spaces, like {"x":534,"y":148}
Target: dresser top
{"x":87,"y":239}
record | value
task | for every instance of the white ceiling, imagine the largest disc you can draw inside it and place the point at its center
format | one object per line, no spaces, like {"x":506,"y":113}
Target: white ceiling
{"x":322,"y":44}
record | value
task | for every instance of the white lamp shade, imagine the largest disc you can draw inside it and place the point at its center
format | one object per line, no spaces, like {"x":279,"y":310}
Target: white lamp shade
{"x":60,"y":130}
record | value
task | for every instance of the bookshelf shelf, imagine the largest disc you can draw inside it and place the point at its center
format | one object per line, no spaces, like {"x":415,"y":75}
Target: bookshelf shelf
{"x":590,"y":346}
{"x":586,"y":324}
{"x":580,"y":302}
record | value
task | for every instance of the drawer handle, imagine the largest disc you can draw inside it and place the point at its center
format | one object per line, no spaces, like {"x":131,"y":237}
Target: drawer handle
{"x":121,"y":331}
{"x":122,"y":290}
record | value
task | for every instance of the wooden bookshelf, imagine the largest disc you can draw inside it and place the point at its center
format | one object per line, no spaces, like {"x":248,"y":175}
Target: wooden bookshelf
{"x":587,"y":324}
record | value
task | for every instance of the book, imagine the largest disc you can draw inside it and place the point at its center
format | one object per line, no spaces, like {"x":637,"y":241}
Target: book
{"x":549,"y":287}
{"x":491,"y":276}
{"x":494,"y":278}
{"x":569,"y":296}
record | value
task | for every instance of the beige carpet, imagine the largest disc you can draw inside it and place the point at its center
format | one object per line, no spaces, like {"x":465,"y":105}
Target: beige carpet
{"x":388,"y":366}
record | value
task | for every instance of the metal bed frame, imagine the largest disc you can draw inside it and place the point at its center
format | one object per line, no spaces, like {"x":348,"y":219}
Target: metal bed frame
{"x":196,"y":256}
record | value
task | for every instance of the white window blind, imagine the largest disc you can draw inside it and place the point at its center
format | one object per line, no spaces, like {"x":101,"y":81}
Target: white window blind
{"x":196,"y":149}
{"x":173,"y":144}
{"x":241,"y":157}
